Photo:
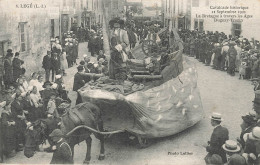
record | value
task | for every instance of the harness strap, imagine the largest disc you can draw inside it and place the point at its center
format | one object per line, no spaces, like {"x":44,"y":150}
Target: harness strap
{"x":68,"y":146}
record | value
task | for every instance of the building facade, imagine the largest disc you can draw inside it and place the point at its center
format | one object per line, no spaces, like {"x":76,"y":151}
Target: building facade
{"x":28,"y":27}
{"x":176,"y":13}
{"x":248,"y":27}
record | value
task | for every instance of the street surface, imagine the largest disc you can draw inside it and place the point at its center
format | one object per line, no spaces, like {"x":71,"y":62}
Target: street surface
{"x":219,"y":93}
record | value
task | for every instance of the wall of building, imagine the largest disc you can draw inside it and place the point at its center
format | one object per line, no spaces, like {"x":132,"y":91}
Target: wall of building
{"x":175,"y":9}
{"x":36,"y":32}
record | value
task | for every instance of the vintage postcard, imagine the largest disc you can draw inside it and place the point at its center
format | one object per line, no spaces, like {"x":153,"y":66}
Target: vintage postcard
{"x":136,"y":82}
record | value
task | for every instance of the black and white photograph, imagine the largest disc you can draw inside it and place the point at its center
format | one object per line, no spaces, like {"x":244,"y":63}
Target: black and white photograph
{"x":130,"y":82}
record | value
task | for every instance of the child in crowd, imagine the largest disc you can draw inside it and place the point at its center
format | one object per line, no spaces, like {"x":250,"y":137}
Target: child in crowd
{"x":51,"y":107}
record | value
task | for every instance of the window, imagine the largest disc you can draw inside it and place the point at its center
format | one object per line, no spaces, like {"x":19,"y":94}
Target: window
{"x":169,"y":6}
{"x":64,"y":2}
{"x":195,"y":3}
{"x":52,"y":28}
{"x":196,"y":24}
{"x":201,"y":25}
{"x":81,"y":4}
{"x":236,"y":29}
{"x":115,"y":6}
{"x":22,"y":36}
{"x":74,"y":3}
{"x":174,"y":4}
{"x":166,"y":7}
{"x":87,"y":5}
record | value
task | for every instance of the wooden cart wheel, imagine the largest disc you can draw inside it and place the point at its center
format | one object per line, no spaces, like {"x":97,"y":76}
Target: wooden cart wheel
{"x":149,"y":46}
{"x":143,"y":142}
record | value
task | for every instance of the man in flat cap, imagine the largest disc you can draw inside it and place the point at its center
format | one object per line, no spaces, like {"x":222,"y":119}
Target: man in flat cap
{"x":218,"y":137}
{"x":62,"y":150}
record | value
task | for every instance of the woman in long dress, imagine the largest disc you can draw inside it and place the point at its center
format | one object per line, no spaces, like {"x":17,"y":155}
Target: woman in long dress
{"x":9,"y":130}
{"x":37,"y":104}
{"x":17,"y":110}
{"x":63,"y":62}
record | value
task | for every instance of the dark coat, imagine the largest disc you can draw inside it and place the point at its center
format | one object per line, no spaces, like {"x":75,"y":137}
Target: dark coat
{"x":131,"y":36}
{"x":9,"y":131}
{"x":237,"y":159}
{"x":17,"y":109}
{"x":8,"y":74}
{"x":46,"y":63}
{"x":55,"y":64}
{"x":91,"y":44}
{"x":28,"y":106}
{"x":63,"y":154}
{"x":46,"y":94}
{"x":79,"y":81}
{"x":75,"y":50}
{"x":17,"y":70}
{"x":218,"y":138}
{"x":251,"y":147}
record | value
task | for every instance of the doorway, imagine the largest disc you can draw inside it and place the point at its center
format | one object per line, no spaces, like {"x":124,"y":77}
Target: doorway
{"x":3,"y":49}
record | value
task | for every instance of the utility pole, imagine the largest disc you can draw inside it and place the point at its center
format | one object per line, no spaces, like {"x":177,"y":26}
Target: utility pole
{"x":142,"y":10}
{"x":105,"y":30}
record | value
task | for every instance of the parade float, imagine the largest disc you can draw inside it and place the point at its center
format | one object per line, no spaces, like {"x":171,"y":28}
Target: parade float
{"x":160,"y":97}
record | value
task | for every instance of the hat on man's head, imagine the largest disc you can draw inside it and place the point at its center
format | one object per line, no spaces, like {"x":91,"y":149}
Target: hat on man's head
{"x":255,"y":134}
{"x":82,"y":62}
{"x":249,"y":119}
{"x":47,"y":83}
{"x":9,"y":50}
{"x":231,"y":146}
{"x":80,"y":68}
{"x":216,"y":116}
{"x":56,"y":133}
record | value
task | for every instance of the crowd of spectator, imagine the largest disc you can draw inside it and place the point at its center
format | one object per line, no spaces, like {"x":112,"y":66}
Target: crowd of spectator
{"x":222,"y":52}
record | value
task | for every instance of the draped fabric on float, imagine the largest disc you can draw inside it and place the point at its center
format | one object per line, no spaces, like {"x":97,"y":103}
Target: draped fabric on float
{"x":167,"y":109}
